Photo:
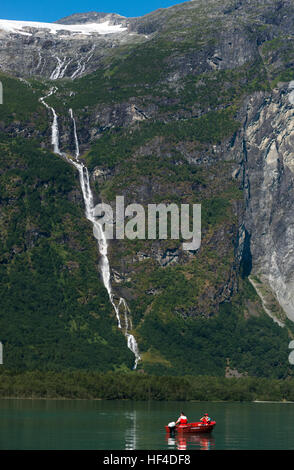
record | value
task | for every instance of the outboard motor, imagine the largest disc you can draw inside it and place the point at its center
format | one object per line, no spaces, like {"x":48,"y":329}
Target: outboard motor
{"x":172,"y":428}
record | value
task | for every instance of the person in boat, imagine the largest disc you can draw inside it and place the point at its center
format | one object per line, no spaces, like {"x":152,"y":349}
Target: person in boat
{"x":182,"y":419}
{"x":205,"y":419}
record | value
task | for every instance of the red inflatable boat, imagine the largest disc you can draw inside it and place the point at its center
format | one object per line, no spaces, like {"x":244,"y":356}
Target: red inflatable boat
{"x":191,"y":428}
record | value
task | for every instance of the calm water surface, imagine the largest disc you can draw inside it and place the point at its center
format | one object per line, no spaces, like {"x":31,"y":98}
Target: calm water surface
{"x":116,"y":425}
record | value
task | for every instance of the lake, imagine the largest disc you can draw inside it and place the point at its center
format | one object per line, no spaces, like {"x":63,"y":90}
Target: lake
{"x":125,"y":425}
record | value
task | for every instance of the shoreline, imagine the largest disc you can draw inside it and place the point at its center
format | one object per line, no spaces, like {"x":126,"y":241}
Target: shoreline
{"x":113,"y":386}
{"x":129,"y":399}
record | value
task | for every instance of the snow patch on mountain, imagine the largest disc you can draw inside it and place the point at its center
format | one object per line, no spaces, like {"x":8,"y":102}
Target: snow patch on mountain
{"x":24,"y":27}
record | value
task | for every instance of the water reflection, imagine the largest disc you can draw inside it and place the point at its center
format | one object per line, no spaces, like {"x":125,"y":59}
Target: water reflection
{"x":188,"y":441}
{"x":131,"y":431}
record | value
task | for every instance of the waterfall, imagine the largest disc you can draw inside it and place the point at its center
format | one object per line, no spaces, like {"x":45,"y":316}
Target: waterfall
{"x":97,"y":228}
{"x":98,"y":232}
{"x":102,"y":246}
{"x":54,"y":128}
{"x":81,"y":66}
{"x":58,"y":72}
{"x":77,"y":150}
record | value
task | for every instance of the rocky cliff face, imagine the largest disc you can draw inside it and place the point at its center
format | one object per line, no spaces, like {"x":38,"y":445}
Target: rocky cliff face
{"x":48,"y":50}
{"x":62,"y":50}
{"x":267,"y":176}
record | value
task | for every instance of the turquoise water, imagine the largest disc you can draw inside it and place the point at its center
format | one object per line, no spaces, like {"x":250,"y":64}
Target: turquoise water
{"x":116,"y":425}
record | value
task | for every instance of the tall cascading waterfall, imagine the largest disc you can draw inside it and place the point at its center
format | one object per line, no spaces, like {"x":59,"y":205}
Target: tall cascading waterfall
{"x":97,"y":227}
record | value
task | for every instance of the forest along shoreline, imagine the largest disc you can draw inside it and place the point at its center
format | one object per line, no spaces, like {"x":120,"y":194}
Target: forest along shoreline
{"x":90,"y":385}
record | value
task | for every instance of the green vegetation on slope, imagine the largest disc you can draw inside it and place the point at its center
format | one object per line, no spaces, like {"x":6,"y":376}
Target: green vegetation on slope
{"x":278,"y":57}
{"x":253,"y":344}
{"x":118,"y":145}
{"x":54,"y":311}
{"x":21,"y":104}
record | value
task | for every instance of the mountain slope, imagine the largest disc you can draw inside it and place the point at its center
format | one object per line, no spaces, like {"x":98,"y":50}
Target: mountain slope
{"x":186,"y":105}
